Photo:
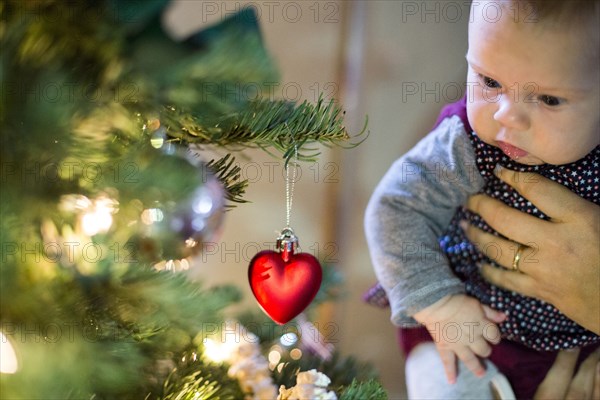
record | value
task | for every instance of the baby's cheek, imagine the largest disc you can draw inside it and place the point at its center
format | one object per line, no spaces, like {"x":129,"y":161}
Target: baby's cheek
{"x":481,"y":118}
{"x":475,"y":109}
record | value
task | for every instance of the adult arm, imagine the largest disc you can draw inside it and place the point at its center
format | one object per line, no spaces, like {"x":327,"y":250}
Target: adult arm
{"x":408,"y":211}
{"x":562,"y":383}
{"x":561,"y":261}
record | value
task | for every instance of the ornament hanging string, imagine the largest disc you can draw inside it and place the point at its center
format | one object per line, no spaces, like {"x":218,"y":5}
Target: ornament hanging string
{"x":289,"y":187}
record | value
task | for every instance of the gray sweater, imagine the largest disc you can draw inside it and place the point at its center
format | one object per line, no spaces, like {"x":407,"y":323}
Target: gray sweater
{"x":410,"y":209}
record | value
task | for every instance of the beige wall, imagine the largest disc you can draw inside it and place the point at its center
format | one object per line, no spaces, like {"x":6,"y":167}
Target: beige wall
{"x":410,"y":59}
{"x":401,"y":53}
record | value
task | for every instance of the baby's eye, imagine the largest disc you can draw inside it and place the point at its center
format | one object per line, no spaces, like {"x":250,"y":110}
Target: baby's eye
{"x":551,"y":101}
{"x":489,"y":82}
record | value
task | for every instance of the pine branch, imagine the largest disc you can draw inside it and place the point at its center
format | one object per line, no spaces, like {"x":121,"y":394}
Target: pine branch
{"x":341,"y":370}
{"x":287,"y":128}
{"x":195,"y":379}
{"x":371,"y":390}
{"x":281,"y":125}
{"x":190,"y":387}
{"x":229,"y":175}
{"x":172,"y":298}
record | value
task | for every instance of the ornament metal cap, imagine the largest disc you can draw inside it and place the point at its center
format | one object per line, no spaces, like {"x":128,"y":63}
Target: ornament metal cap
{"x":287,"y":243}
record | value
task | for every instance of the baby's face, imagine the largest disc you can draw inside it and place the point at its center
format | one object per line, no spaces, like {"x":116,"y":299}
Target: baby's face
{"x":533,"y":90}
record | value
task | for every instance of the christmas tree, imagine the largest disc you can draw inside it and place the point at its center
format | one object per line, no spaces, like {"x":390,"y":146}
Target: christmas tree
{"x":106,"y":124}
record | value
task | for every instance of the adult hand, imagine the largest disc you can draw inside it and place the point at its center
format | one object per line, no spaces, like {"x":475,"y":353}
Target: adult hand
{"x":560,"y":262}
{"x":560,"y":383}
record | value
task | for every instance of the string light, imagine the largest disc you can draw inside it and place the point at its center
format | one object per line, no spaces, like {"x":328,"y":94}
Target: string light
{"x":98,"y":218}
{"x":152,"y":215}
{"x":95,"y":215}
{"x":241,"y":350}
{"x":296,"y":354}
{"x":173,"y":265}
{"x":274,"y":358}
{"x":288,"y":339}
{"x":217,"y":351}
{"x":8,"y":357}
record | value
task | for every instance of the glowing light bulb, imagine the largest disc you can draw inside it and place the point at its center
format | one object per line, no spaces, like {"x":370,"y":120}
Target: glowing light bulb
{"x":98,"y":217}
{"x":274,"y":357}
{"x":152,"y":215}
{"x":296,"y":354}
{"x":95,"y":222}
{"x":219,"y":351}
{"x":8,"y":357}
{"x":288,"y":339}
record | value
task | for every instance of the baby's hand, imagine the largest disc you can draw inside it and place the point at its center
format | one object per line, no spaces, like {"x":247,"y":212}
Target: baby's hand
{"x":461,"y":327}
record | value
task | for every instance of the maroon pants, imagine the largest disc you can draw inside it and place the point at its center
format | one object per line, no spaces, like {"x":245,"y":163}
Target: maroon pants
{"x":524,"y":368}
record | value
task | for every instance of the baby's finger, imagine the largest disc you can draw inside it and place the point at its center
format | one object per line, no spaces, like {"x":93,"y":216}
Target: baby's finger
{"x":490,"y":330}
{"x":493,"y":315}
{"x":481,"y":348}
{"x":449,"y":361}
{"x":471,"y":361}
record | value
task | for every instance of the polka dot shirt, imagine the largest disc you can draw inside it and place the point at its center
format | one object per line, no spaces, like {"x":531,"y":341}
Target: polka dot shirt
{"x":531,"y":322}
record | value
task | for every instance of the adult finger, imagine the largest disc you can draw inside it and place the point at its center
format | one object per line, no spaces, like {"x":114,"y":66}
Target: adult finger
{"x":558,"y":378}
{"x":506,"y":220}
{"x":553,"y":199}
{"x":596,"y":392}
{"x":582,"y":385}
{"x":512,"y":280}
{"x":500,"y":250}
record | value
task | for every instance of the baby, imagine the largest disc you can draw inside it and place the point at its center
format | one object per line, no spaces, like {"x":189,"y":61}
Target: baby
{"x":532,"y":104}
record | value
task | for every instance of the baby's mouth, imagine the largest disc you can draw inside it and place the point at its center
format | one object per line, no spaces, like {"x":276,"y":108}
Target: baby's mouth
{"x":512,"y":151}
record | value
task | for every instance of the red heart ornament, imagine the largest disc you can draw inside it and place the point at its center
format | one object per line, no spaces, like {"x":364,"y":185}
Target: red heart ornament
{"x":284,"y":283}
